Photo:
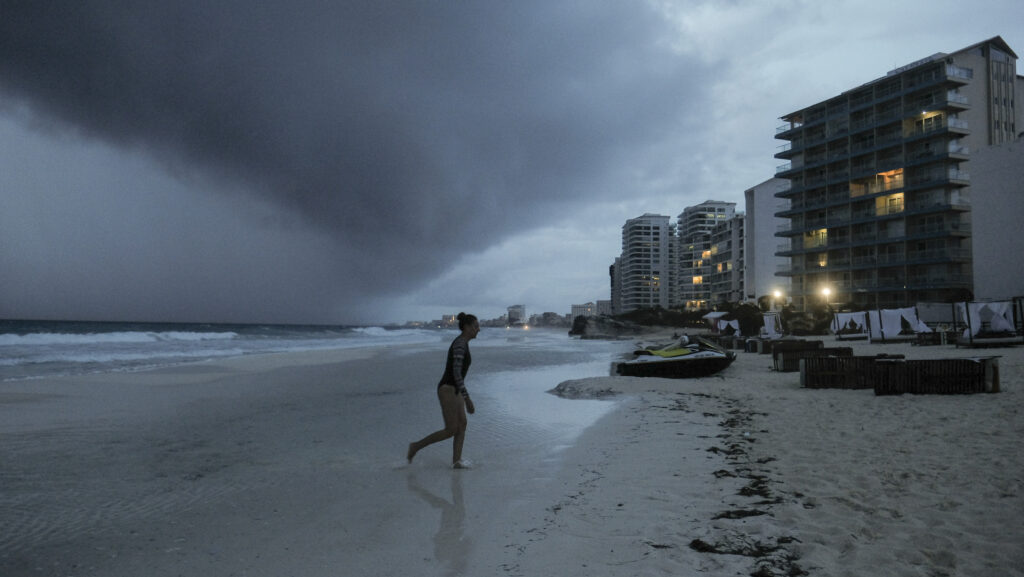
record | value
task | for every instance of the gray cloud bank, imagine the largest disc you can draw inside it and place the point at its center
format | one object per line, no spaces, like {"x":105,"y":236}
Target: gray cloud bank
{"x":393,"y":137}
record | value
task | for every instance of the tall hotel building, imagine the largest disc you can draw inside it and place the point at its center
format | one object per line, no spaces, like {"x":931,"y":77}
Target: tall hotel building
{"x":643,"y":274}
{"x":695,"y":227}
{"x":880,"y":186}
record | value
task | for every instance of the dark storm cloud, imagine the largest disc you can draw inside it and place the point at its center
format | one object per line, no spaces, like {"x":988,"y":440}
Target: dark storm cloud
{"x":410,"y":132}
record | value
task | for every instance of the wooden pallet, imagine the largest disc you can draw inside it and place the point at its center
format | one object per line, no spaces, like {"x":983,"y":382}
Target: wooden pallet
{"x":790,"y":346}
{"x":892,"y":375}
{"x":937,"y":376}
{"x":839,"y":372}
{"x":789,"y":361}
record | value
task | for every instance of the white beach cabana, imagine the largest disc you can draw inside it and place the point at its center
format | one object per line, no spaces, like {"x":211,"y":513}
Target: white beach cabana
{"x":849,"y":326}
{"x":713,"y":318}
{"x":895,"y":324}
{"x":987,"y":323}
{"x":772,"y":328}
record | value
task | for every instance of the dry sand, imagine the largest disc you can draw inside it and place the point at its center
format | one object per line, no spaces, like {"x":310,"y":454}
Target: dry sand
{"x":293,"y":465}
{"x":837,"y":483}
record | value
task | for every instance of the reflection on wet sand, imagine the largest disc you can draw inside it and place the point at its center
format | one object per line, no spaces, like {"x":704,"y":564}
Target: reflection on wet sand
{"x":451,"y":546}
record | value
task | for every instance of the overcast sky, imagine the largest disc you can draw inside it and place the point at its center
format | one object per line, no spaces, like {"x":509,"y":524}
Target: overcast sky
{"x":361,"y":162}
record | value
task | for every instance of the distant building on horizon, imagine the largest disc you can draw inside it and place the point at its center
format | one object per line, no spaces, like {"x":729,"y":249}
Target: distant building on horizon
{"x":584,"y":310}
{"x":884,"y":184}
{"x":516,"y":314}
{"x":615,"y":279}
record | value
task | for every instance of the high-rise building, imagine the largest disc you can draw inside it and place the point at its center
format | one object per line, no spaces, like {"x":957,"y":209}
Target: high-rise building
{"x":880,"y":189}
{"x":644,"y":272}
{"x":727,"y":261}
{"x":615,"y":277}
{"x":516,"y":314}
{"x":760,"y":261}
{"x":695,"y":226}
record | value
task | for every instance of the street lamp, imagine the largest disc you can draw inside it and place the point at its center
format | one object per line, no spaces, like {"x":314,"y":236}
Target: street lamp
{"x":776,"y":296}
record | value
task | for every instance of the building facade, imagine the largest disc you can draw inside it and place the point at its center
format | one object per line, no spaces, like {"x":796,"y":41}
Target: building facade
{"x":727,"y":261}
{"x":584,"y":310}
{"x":644,"y":274}
{"x":516,"y":314}
{"x":761,"y":263}
{"x":615,"y":280}
{"x":997,"y":207}
{"x":880,"y":187}
{"x":695,"y":226}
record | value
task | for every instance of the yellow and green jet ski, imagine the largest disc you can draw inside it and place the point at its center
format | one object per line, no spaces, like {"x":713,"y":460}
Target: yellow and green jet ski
{"x":687,"y":358}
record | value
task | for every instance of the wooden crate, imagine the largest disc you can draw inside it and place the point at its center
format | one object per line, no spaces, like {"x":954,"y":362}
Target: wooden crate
{"x":937,"y":376}
{"x":789,"y":361}
{"x":839,"y":372}
{"x":789,"y":346}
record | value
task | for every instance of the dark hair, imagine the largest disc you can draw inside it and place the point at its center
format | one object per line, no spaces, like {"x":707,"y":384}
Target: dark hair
{"x":465,"y":319}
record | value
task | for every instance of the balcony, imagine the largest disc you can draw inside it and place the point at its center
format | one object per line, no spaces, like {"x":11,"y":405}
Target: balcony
{"x":959,"y":74}
{"x":938,"y":282}
{"x":946,"y":124}
{"x":939,"y":229}
{"x":789,"y":126}
{"x":938,"y":255}
{"x":933,"y":177}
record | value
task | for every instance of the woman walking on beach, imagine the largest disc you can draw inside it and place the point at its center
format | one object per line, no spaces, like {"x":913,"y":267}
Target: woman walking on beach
{"x":452,"y":393}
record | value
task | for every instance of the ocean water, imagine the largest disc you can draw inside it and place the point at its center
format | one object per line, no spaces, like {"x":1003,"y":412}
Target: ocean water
{"x":34,"y":349}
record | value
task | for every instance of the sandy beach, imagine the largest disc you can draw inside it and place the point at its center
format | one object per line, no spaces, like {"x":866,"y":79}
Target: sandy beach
{"x":293,"y":464}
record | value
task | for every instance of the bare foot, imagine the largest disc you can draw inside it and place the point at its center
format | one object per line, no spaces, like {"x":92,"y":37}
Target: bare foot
{"x":462,"y":464}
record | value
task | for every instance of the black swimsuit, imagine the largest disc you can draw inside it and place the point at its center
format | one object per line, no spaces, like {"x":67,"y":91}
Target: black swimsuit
{"x":457,"y":366}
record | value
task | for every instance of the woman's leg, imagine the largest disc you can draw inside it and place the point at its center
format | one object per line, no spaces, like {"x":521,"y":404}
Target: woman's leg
{"x":453,"y":409}
{"x":460,"y":433}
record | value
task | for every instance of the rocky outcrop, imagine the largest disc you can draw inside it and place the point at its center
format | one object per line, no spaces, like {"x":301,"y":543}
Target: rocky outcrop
{"x":603,"y":327}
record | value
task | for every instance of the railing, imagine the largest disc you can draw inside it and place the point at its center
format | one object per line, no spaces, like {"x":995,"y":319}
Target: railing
{"x":861,"y":99}
{"x":939,"y":254}
{"x":788,"y":126}
{"x":939,"y":176}
{"x":939,"y":227}
{"x":935,"y":127}
{"x":959,"y":72}
{"x":957,"y":98}
{"x":919,"y":281}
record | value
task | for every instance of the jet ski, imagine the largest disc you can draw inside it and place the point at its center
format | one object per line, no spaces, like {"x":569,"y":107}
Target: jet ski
{"x":686,"y":358}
